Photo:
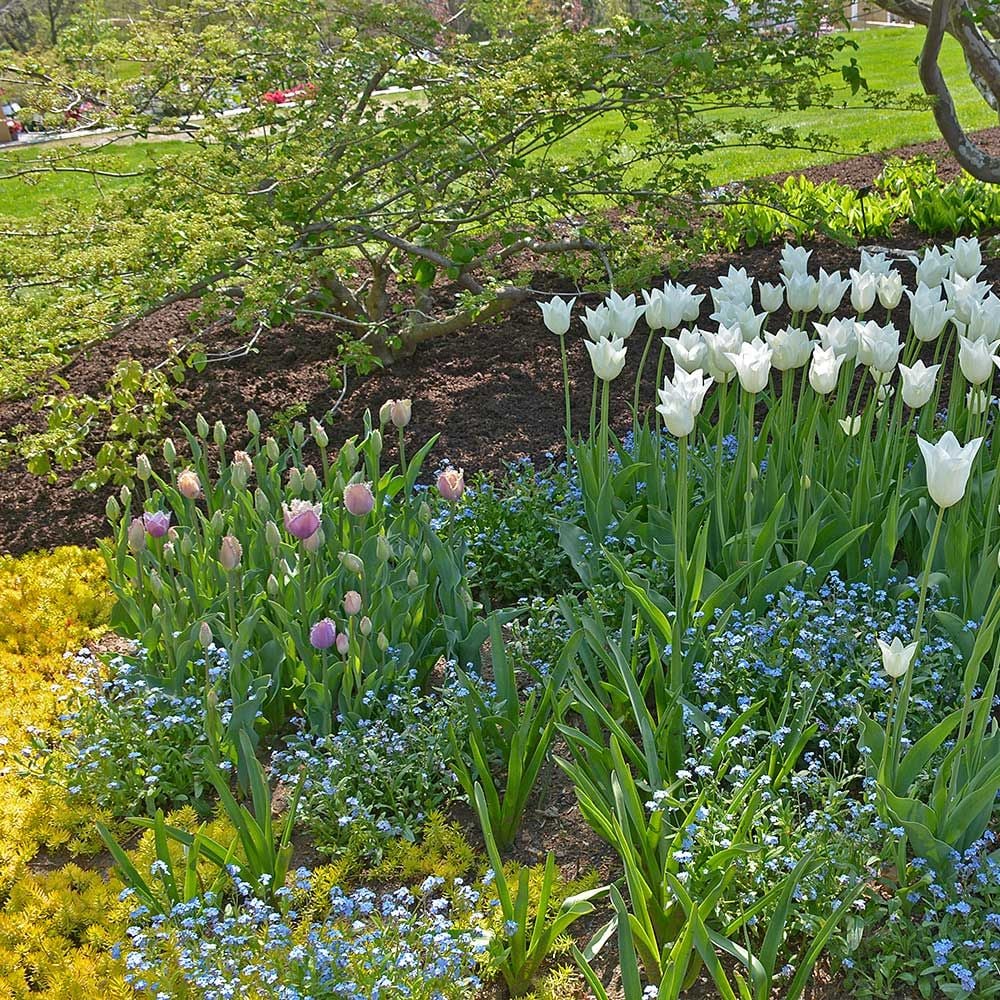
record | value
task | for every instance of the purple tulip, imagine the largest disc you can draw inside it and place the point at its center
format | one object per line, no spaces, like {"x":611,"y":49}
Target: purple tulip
{"x":157,"y":523}
{"x":323,"y":634}
{"x":302,"y":519}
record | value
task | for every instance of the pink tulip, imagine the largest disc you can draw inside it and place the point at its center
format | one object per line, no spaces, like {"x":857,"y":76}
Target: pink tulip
{"x":302,"y":518}
{"x":451,"y":483}
{"x":323,"y":634}
{"x":359,"y":499}
{"x":189,"y":484}
{"x":230,"y":553}
{"x":136,"y":535}
{"x":156,"y":523}
{"x":352,"y":602}
{"x":343,"y":643}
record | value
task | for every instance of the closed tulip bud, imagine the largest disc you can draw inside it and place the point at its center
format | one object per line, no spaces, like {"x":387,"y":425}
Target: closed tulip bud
{"x":253,"y":422}
{"x":424,"y":512}
{"x":201,"y":426}
{"x":136,"y":535}
{"x":400,"y":412}
{"x":425,"y":554}
{"x":412,"y":580}
{"x":218,"y":522}
{"x":299,"y":434}
{"x":169,"y":451}
{"x":349,"y":453}
{"x":230,"y":553}
{"x":156,"y":610}
{"x":352,"y":563}
{"x":285,"y":570}
{"x":896,"y":658}
{"x":243,"y":462}
{"x":309,"y":479}
{"x":155,"y":583}
{"x":189,"y":485}
{"x":205,"y":635}
{"x":319,"y":434}
{"x":385,"y":413}
{"x":343,"y":643}
{"x":294,"y":481}
{"x":806,"y":482}
{"x":143,"y":469}
{"x":126,"y":495}
{"x":451,"y":483}
{"x":376,"y":440}
{"x":382,"y":642}
{"x":315,"y":541}
{"x":272,"y":450}
{"x":272,"y":536}
{"x":260,"y":503}
{"x":607,"y":357}
{"x":272,"y":585}
{"x":112,"y":509}
{"x":323,"y":634}
{"x":187,"y":545}
{"x":352,"y":602}
{"x":407,"y":553}
{"x":556,"y":315}
{"x":358,"y":499}
{"x":383,"y":550}
{"x":365,"y":626}
{"x":238,"y":476}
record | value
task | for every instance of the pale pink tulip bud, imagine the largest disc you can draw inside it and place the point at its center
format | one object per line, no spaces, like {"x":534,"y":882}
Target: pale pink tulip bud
{"x":230,"y":553}
{"x":451,"y":483}
{"x":385,"y":412}
{"x":352,"y":563}
{"x":205,"y":635}
{"x":323,"y":634}
{"x":142,"y":468}
{"x":365,"y":625}
{"x":242,"y":468}
{"x":343,"y":643}
{"x":309,"y":478}
{"x":400,"y":411}
{"x":189,"y":484}
{"x":302,"y":519}
{"x":314,"y":542}
{"x":358,"y":499}
{"x":352,"y":602}
{"x":382,"y":641}
{"x":156,"y":523}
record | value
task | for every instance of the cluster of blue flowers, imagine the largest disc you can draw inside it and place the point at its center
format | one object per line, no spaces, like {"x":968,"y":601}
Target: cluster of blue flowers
{"x":404,"y":944}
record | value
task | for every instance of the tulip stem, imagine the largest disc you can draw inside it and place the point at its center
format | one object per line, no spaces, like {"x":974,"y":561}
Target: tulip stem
{"x":748,"y":495}
{"x":638,"y":383}
{"x":720,"y":516}
{"x":604,"y":432}
{"x":565,"y":370}
{"x":680,"y":598}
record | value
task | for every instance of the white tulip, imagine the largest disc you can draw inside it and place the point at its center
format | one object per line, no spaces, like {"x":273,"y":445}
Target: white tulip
{"x":864,"y":288}
{"x":688,"y":349}
{"x":663,"y":310}
{"x":624,"y":314}
{"x":691,"y":308}
{"x":890,"y":289}
{"x":794,"y":260}
{"x":977,"y":401}
{"x":681,"y":401}
{"x":934,"y":267}
{"x":753,"y":365}
{"x":556,"y":314}
{"x":727,"y":313}
{"x":720,"y":345}
{"x":802,"y":292}
{"x":918,"y":383}
{"x":790,"y":348}
{"x":984,"y":319}
{"x":967,"y":257}
{"x":896,"y":658}
{"x":771,"y":296}
{"x":878,"y":346}
{"x":929,"y":313}
{"x":824,"y":369}
{"x":749,"y":322}
{"x":607,"y":357}
{"x":963,"y":293}
{"x":839,"y":335}
{"x":948,"y":467}
{"x":850,"y":425}
{"x":736,"y":286}
{"x":975,"y":359}
{"x":876,"y":263}
{"x":831,"y":291}
{"x":598,"y":322}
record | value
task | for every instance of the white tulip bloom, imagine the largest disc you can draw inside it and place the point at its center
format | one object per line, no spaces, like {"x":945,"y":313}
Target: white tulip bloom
{"x":737,"y":285}
{"x":802,"y":292}
{"x":977,"y":401}
{"x":624,"y":314}
{"x":896,"y":658}
{"x":878,"y":346}
{"x":556,"y":314}
{"x":963,"y":293}
{"x":929,"y":313}
{"x":864,"y":288}
{"x":850,"y":425}
{"x":727,"y":313}
{"x":831,"y":291}
{"x":975,"y":358}
{"x":824,"y":369}
{"x":794,"y":260}
{"x":681,"y":401}
{"x":750,"y":323}
{"x":690,"y":301}
{"x":598,"y":322}
{"x":876,"y":263}
{"x":771,"y":296}
{"x":688,"y":349}
{"x":720,"y":345}
{"x":967,"y":257}
{"x":890,"y":289}
{"x":753,"y":365}
{"x":607,"y":357}
{"x":840,"y":336}
{"x":949,"y":465}
{"x":984,"y":319}
{"x":934,"y":267}
{"x":790,"y":348}
{"x":663,"y":309}
{"x":918,"y":383}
